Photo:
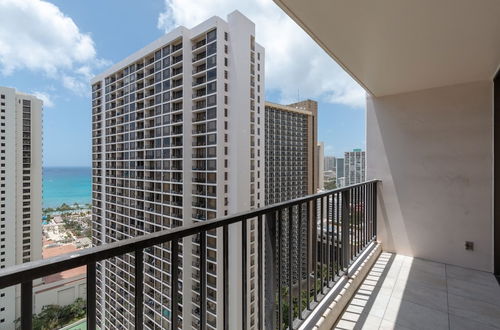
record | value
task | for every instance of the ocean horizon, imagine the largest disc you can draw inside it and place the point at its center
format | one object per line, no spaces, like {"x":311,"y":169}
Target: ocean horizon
{"x":66,"y":185}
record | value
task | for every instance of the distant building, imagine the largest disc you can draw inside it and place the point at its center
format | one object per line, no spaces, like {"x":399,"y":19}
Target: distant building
{"x":290,"y":151}
{"x":61,"y":288}
{"x":330,"y":163}
{"x":21,"y":189}
{"x":320,"y":163}
{"x":354,"y":167}
{"x":339,"y":168}
{"x":291,"y":166}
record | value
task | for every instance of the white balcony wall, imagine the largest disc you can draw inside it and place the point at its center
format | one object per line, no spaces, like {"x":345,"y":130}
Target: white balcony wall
{"x":432,"y":149}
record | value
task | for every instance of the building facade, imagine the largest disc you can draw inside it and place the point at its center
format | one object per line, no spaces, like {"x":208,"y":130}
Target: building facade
{"x":21,"y":189}
{"x":291,"y":171}
{"x":339,"y":168}
{"x":354,"y":167}
{"x":330,"y":163}
{"x":290,"y":160}
{"x":178,"y":138}
{"x":320,"y":165}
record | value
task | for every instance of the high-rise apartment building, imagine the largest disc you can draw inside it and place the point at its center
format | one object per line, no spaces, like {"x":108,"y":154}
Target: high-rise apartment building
{"x":330,"y":163}
{"x":21,"y":188}
{"x":339,"y":168}
{"x":354,"y":167}
{"x":320,"y":165}
{"x":290,"y":172}
{"x":339,"y":172}
{"x":178,"y":138}
{"x":291,"y":133}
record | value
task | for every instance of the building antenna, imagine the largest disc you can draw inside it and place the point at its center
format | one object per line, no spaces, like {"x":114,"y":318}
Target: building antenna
{"x":298,"y":95}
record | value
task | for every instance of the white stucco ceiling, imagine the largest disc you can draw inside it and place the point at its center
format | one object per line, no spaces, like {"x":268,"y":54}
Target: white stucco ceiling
{"x":396,"y":46}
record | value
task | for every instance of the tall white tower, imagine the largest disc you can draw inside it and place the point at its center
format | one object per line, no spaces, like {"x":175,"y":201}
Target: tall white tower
{"x":20,"y":188}
{"x":178,"y":138}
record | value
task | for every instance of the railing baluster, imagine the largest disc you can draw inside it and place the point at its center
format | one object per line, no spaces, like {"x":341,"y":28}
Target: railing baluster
{"x":308,"y":250}
{"x":91,"y":296}
{"x":357,"y":231}
{"x":328,"y":254}
{"x":225,"y":275}
{"x":280,"y":236}
{"x":174,"y":284}
{"x":374,"y":209}
{"x":244,"y":274}
{"x":203,"y":280}
{"x":365,"y":227}
{"x":315,"y":249}
{"x":139,"y":288}
{"x":337,"y":233}
{"x":260,"y":260}
{"x":299,"y":254}
{"x":370,"y":203}
{"x":346,"y":235}
{"x":322,"y":245}
{"x":290,"y":296}
{"x":27,"y":305}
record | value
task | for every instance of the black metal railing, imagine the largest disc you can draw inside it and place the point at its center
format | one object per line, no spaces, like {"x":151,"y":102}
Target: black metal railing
{"x":309,"y":242}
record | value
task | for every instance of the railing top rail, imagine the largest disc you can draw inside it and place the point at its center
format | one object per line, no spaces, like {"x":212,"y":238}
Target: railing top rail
{"x":36,"y":269}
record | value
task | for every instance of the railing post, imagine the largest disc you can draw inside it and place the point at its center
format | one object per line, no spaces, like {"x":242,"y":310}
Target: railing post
{"x":139,"y":288}
{"x":374,"y":201}
{"x":91,"y":296}
{"x":244,"y":275}
{"x":225,"y":264}
{"x":27,"y":305}
{"x":174,"y":284}
{"x":270,"y":270}
{"x":345,"y":230}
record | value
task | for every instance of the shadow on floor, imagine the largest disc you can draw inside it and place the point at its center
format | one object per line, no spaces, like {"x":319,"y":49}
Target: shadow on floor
{"x":408,"y":293}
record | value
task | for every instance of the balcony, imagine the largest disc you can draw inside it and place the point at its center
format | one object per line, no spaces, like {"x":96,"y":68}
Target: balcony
{"x":340,"y":226}
{"x":424,"y":114}
{"x":405,"y":292}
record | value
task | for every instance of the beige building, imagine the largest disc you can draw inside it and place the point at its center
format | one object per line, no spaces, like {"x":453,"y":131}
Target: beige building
{"x":291,"y":152}
{"x":61,"y":288}
{"x":21,"y":188}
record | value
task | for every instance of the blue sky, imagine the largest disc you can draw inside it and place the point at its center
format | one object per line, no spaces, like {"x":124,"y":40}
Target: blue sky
{"x":97,"y":33}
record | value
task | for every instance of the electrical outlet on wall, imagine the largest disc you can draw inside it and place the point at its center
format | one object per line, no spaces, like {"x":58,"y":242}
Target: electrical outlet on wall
{"x":469,"y":245}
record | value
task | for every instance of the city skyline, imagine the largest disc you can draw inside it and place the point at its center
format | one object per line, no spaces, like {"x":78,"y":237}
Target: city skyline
{"x":63,"y":87}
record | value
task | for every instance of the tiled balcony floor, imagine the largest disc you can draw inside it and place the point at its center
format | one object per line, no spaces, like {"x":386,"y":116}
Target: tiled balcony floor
{"x":412,"y":294}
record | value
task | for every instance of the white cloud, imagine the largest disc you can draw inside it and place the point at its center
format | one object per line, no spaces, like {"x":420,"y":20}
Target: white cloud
{"x":35,"y":35}
{"x":46,"y":98}
{"x":294,"y":62}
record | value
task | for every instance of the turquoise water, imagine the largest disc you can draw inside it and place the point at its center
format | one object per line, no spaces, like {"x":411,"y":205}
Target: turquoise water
{"x":66,"y":185}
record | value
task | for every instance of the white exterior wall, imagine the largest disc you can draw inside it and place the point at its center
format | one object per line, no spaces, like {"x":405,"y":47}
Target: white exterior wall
{"x":11,"y":192}
{"x":432,"y":149}
{"x":62,"y":293}
{"x":240,"y":32}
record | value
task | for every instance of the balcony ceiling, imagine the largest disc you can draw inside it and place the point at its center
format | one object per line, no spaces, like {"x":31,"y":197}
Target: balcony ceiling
{"x":395,"y":46}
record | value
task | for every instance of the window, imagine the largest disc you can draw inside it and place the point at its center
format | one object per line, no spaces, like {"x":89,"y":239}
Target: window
{"x":211,"y":61}
{"x":211,"y":49}
{"x":211,"y":35}
{"x":212,"y":74}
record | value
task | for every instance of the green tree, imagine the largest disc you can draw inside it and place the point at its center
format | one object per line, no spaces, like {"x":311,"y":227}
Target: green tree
{"x":329,"y":185}
{"x":55,"y":316}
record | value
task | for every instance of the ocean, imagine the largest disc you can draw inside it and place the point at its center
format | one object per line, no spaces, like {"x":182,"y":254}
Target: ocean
{"x":66,"y":185}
